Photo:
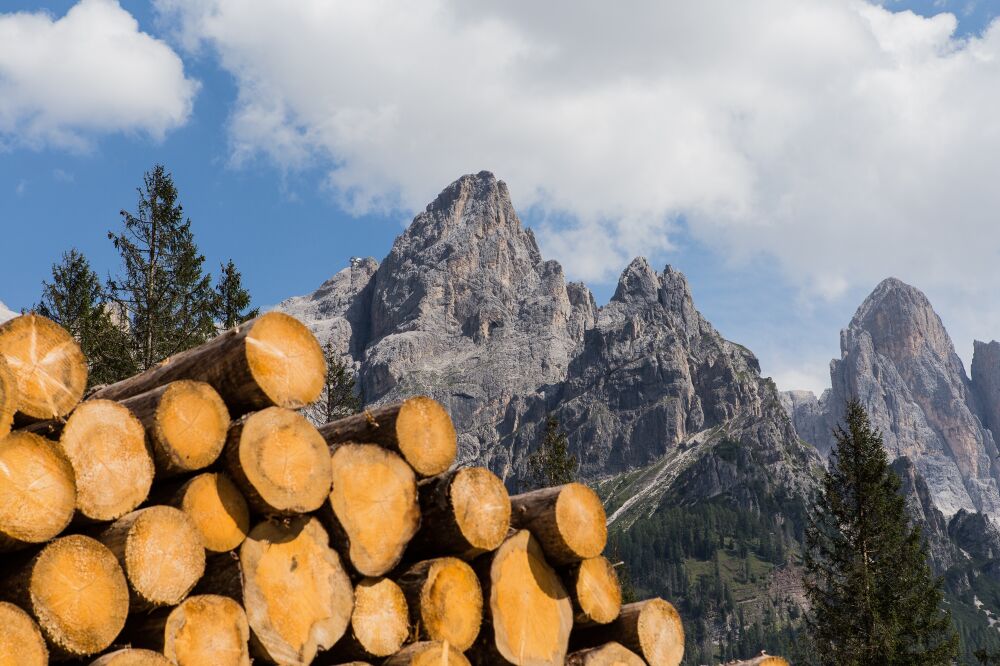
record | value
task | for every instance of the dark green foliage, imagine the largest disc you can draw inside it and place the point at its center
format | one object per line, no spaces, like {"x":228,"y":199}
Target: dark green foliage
{"x":873,"y":598}
{"x":232,"y":299}
{"x":339,"y":397}
{"x":551,"y":464}
{"x":167,"y":298}
{"x":74,"y":299}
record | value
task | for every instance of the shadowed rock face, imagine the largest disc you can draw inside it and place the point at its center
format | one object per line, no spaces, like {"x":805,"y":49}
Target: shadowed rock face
{"x":986,"y":383}
{"x":898,"y":360}
{"x":465,"y":309}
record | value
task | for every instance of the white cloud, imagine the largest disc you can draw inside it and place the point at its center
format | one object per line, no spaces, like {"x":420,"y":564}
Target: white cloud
{"x":89,"y":72}
{"x":843,"y":140}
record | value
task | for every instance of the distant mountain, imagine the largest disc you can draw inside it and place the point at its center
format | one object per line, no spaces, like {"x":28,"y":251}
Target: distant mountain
{"x":686,"y":440}
{"x":6,"y":313}
{"x":898,"y":360}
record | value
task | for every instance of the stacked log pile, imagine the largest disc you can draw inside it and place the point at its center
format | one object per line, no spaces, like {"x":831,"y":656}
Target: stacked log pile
{"x":190,"y":515}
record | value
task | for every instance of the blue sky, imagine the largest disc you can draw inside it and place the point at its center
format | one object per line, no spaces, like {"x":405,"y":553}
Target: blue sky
{"x":785,"y":158}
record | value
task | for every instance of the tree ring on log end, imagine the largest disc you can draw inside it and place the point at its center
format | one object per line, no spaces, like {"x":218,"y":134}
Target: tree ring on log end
{"x":285,"y":360}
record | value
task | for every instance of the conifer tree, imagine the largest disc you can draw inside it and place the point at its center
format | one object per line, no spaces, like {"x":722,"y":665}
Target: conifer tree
{"x":167,"y":298}
{"x":873,"y":598}
{"x":233,"y":300}
{"x":551,"y":464}
{"x":338,"y":398}
{"x":75,"y":300}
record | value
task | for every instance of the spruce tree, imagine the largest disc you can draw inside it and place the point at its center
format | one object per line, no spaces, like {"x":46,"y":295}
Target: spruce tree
{"x":551,"y":464}
{"x":233,"y":300}
{"x":873,"y":598}
{"x":167,"y":298}
{"x":75,"y":300}
{"x":338,"y":398}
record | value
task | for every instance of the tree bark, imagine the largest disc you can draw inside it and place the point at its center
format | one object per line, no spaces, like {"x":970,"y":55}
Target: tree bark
{"x":203,"y":629}
{"x":216,"y":507}
{"x":568,"y":521}
{"x":466,"y":512}
{"x":528,"y":610}
{"x":418,"y":429}
{"x":651,"y":629}
{"x":8,"y":397}
{"x":270,"y":361}
{"x":373,"y":511}
{"x":427,"y":653}
{"x":593,"y":586}
{"x":37,"y":491}
{"x":47,"y":363}
{"x":132,"y":657}
{"x":186,"y":424}
{"x":445,"y":601}
{"x":160,"y":550}
{"x":279,"y":462}
{"x":106,"y":444}
{"x":609,"y":654}
{"x":76,"y":593}
{"x":379,"y":624}
{"x":21,"y":640}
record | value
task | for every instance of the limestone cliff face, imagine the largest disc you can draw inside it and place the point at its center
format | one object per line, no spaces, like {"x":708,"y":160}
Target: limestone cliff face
{"x":986,"y":383}
{"x":465,"y":309}
{"x":898,"y":360}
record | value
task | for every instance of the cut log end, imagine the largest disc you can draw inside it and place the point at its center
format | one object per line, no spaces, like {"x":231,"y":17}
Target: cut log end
{"x":281,"y":461}
{"x":596,"y":592}
{"x":161,"y":552}
{"x":79,"y":595}
{"x":374,"y":499}
{"x":530,"y":609}
{"x":428,"y":653}
{"x":21,"y":642}
{"x":8,"y":397}
{"x":207,"y":629}
{"x":568,"y":521}
{"x":37,"y":490}
{"x":481,"y":508}
{"x":285,"y":360}
{"x":106,"y":444}
{"x":762,"y":660}
{"x":661,"y":634}
{"x":426,"y":436}
{"x":297,"y":595}
{"x":48,"y":365}
{"x":132,"y":657}
{"x":609,"y":654}
{"x":446,"y":601}
{"x":190,"y":426}
{"x":218,"y":510}
{"x":379,"y":622}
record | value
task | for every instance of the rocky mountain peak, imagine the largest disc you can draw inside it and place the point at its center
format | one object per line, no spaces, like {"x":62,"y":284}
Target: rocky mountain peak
{"x":986,"y":383}
{"x":638,"y":283}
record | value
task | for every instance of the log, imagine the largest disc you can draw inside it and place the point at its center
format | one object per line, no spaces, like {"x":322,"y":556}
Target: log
{"x":76,"y":592}
{"x":761,"y":660}
{"x":594,"y":588}
{"x":202,"y":629}
{"x":419,"y":429}
{"x":132,"y":657}
{"x":651,"y":629}
{"x":106,"y":444}
{"x":37,"y":491}
{"x":297,"y":596}
{"x":161,"y":552}
{"x":445,"y":601}
{"x":465,"y":513}
{"x":528,"y":609}
{"x":279,"y":462}
{"x":373,"y":511}
{"x":609,"y":654}
{"x":8,"y":397}
{"x":186,"y":424}
{"x":379,"y":623}
{"x":270,"y":361}
{"x":217,"y":509}
{"x":48,"y":365}
{"x":427,"y":653}
{"x":568,"y":521}
{"x":21,"y":642}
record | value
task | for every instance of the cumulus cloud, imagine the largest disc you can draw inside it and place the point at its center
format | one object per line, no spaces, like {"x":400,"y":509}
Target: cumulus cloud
{"x":840,"y":139}
{"x":90,"y":72}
